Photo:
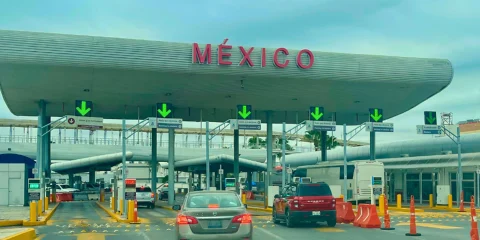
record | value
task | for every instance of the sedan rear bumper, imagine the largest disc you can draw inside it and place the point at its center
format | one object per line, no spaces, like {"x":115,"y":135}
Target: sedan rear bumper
{"x":244,"y":232}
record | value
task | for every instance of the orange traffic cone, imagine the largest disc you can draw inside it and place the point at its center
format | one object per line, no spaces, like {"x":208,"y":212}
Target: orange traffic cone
{"x":386,"y":218}
{"x":413,"y":226}
{"x":462,"y":208}
{"x":473,"y":215}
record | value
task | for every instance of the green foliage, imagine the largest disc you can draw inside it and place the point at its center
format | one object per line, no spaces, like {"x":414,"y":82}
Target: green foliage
{"x":315,"y":137}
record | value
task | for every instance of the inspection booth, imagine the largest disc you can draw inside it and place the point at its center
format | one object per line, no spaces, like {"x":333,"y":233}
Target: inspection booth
{"x":14,"y":173}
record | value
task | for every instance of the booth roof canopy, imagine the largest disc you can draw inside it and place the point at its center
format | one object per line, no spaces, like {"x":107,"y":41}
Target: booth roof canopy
{"x":126,"y":78}
{"x":16,"y":158}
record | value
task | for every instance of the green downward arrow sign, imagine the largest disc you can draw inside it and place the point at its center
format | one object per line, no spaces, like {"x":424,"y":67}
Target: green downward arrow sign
{"x":431,"y":119}
{"x":83,"y":110}
{"x":376,"y":116}
{"x":317,"y":114}
{"x":244,"y":113}
{"x":164,"y":112}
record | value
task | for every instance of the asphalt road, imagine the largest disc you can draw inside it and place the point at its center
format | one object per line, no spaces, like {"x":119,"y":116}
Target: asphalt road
{"x":85,"y":220}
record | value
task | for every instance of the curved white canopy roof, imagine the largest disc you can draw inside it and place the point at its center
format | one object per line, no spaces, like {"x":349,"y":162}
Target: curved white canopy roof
{"x":125,"y":78}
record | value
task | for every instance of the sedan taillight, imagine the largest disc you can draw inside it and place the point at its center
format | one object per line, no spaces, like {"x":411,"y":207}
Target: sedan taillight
{"x":242,"y":218}
{"x":183,"y":220}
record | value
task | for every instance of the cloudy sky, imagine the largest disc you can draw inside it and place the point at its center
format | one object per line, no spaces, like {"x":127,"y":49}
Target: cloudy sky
{"x":411,"y":28}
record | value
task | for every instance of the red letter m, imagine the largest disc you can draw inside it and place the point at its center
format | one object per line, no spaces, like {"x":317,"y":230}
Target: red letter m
{"x":198,"y":56}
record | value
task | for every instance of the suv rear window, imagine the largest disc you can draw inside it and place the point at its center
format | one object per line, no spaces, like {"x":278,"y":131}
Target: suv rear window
{"x":315,"y":189}
{"x":145,"y":189}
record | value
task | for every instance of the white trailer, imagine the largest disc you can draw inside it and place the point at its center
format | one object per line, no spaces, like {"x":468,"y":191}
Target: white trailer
{"x":359,"y":177}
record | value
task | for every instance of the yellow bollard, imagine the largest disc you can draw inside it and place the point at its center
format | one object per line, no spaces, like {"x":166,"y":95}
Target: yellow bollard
{"x":430,"y":200}
{"x":450,"y":201}
{"x":244,"y":198}
{"x":112,"y":202}
{"x":46,"y":204}
{"x":342,"y":197}
{"x":33,"y":211}
{"x":102,"y":196}
{"x":131,"y":206}
{"x":381,"y":205}
{"x":120,"y":210}
{"x":399,"y":200}
{"x":39,"y":205}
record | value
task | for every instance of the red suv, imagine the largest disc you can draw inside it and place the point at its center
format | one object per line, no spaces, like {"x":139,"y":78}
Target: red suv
{"x":305,"y":202}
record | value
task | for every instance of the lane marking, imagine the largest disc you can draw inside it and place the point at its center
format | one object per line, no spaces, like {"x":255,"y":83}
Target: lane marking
{"x":270,"y":234}
{"x":156,"y":214}
{"x":145,"y":237}
{"x":431,"y":225}
{"x":92,"y":236}
{"x":329,"y":229}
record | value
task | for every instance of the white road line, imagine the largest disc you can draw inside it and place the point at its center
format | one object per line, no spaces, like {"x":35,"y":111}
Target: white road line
{"x":145,"y":237}
{"x":269,"y":233}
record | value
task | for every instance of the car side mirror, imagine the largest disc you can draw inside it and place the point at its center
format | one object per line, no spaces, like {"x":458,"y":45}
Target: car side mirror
{"x":277,"y":196}
{"x":176,"y":207}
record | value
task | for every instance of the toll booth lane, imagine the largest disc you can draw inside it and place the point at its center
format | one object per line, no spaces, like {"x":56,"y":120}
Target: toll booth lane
{"x":86,"y":220}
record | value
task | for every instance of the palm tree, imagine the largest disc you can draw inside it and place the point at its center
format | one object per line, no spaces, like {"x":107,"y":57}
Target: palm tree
{"x":252,"y":142}
{"x":316,"y":138}
{"x":288,"y":147}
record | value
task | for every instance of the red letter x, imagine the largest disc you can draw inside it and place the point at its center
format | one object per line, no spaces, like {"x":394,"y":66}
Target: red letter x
{"x":246,"y":56}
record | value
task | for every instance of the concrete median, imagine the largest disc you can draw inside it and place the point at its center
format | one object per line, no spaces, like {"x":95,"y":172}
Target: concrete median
{"x":18,"y":234}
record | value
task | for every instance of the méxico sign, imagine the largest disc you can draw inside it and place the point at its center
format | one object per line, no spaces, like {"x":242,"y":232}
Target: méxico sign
{"x":224,"y":52}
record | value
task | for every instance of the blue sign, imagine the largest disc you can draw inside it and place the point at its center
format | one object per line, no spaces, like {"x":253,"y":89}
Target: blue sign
{"x":376,"y":180}
{"x":431,"y":131}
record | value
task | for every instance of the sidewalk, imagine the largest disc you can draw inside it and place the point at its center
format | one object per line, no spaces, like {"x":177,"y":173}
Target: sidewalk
{"x":18,"y":216}
{"x":13,"y":216}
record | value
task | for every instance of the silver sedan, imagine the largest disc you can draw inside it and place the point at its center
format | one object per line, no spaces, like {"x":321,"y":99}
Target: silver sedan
{"x":213,"y":215}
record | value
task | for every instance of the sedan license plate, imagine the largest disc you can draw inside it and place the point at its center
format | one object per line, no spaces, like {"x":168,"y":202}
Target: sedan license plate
{"x":316,"y":213}
{"x":215,"y":224}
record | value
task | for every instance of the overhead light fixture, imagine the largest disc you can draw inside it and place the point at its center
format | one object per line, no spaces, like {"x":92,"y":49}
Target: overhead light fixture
{"x":168,"y":94}
{"x":294,"y":99}
{"x":86,"y":90}
{"x":228,"y":96}
{"x":356,"y":101}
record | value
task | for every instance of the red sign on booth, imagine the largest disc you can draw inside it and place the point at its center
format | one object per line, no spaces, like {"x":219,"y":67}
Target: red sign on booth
{"x":130,"y":183}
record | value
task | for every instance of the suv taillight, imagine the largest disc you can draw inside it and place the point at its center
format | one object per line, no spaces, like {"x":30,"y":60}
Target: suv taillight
{"x":295,"y":203}
{"x":334,"y":203}
{"x":243,"y":218}
{"x":183,"y":220}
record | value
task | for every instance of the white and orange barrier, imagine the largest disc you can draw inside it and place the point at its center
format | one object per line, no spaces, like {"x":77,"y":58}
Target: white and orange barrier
{"x":345,"y":212}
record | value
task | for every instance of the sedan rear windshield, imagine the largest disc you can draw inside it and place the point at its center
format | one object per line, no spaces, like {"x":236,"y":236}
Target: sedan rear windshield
{"x":144,"y":189}
{"x":222,"y":200}
{"x":314,"y":190}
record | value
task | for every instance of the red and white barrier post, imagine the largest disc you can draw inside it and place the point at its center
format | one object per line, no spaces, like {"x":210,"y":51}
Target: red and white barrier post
{"x":135,"y":212}
{"x":462,"y":202}
{"x":473,"y":216}
{"x":386,"y":217}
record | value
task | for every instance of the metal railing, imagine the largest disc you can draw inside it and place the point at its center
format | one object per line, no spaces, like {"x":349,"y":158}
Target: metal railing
{"x":138,"y":142}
